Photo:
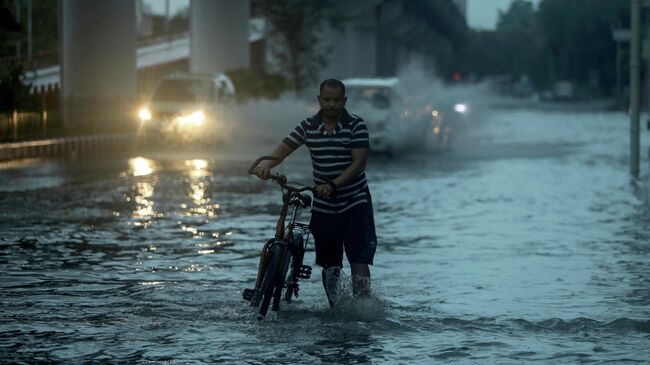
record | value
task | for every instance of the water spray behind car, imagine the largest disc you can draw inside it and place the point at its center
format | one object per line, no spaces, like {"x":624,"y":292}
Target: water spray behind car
{"x":434,"y":115}
{"x":415,"y":111}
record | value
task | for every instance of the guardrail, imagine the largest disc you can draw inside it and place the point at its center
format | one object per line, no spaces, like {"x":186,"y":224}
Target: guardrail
{"x":18,"y":126}
{"x":66,"y":145}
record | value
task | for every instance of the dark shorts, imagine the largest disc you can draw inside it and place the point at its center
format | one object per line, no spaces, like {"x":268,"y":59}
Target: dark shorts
{"x":352,"y":230}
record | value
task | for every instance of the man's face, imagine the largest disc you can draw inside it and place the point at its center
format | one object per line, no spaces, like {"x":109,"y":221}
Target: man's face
{"x":331,"y":101}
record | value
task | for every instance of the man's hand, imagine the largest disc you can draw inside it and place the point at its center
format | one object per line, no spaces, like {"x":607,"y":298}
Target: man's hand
{"x":324,"y":190}
{"x":261,"y":171}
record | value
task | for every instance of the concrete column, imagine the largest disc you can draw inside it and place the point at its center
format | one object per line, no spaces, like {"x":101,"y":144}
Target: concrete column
{"x":389,"y":15}
{"x":98,"y":50}
{"x":353,"y":48}
{"x":219,"y":35}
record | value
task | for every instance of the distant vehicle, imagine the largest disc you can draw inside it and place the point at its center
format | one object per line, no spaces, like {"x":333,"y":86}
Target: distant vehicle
{"x":395,"y":121}
{"x":373,"y":98}
{"x":564,"y":90}
{"x":186,"y":108}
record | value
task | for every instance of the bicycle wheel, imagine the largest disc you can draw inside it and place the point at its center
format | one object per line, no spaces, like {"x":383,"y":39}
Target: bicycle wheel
{"x":285,"y":277}
{"x":296,"y":262}
{"x":292,"y":280}
{"x":271,"y":277}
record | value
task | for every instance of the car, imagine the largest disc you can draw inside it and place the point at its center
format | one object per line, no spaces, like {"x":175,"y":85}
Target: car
{"x":187,"y":108}
{"x":397,"y":122}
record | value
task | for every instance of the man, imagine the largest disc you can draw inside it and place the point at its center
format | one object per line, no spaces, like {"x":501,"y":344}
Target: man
{"x":342,"y":215}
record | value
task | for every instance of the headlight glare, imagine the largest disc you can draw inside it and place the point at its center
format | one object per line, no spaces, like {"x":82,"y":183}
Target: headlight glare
{"x":144,"y":114}
{"x":460,"y":108}
{"x":195,"y":119}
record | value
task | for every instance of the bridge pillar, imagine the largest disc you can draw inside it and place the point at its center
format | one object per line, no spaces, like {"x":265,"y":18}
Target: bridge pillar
{"x":353,"y":49}
{"x":98,"y":74}
{"x":219,"y":35}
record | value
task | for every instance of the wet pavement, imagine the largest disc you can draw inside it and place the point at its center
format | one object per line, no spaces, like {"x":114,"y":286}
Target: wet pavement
{"x":527,"y":242}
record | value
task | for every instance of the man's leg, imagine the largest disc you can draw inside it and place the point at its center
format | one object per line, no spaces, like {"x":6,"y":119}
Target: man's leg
{"x":331,"y":277}
{"x":360,"y":245}
{"x":329,"y":252}
{"x":360,"y":279}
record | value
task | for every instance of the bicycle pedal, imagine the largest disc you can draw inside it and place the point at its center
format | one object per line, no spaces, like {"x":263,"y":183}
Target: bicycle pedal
{"x":304,"y":272}
{"x":248,"y":294}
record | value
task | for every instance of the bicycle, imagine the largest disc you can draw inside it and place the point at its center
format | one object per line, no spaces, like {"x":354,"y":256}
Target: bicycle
{"x":281,"y":258}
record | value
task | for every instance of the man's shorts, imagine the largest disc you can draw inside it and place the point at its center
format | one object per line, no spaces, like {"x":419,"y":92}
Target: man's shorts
{"x":352,"y":230}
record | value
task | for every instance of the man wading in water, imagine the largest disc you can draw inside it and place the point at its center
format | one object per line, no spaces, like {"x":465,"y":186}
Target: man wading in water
{"x":342,"y":215}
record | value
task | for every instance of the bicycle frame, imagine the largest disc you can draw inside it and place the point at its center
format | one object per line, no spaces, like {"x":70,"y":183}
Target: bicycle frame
{"x":287,"y":247}
{"x":284,"y":237}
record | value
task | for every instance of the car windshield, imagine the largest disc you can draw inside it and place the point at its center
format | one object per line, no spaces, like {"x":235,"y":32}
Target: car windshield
{"x":181,"y":90}
{"x":378,"y":97}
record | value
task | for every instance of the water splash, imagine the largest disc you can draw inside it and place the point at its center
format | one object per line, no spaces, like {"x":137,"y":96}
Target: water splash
{"x":432,"y":114}
{"x":262,"y":123}
{"x":351,"y":307}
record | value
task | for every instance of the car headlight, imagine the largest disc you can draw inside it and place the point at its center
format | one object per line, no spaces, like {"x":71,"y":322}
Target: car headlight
{"x":144,"y":114}
{"x":194,"y":119}
{"x":460,"y":108}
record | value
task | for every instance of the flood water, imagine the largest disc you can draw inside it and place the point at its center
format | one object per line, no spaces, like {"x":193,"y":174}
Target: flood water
{"x":528,"y":242}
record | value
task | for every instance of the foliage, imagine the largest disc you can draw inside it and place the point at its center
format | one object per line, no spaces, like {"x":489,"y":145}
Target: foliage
{"x":518,"y":30}
{"x":257,"y":83}
{"x":579,"y":37}
{"x":560,"y":40}
{"x":8,"y":30}
{"x":14,"y":95}
{"x":44,"y":27}
{"x":178,"y":23}
{"x":297,"y":25}
{"x":45,"y":24}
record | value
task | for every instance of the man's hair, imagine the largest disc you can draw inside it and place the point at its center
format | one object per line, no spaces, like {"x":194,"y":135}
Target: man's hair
{"x":334,"y":83}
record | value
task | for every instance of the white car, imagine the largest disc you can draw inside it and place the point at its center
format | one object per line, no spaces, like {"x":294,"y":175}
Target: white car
{"x":394,"y":122}
{"x":186,"y":108}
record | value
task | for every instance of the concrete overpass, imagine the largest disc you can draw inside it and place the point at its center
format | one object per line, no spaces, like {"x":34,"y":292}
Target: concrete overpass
{"x":164,"y":52}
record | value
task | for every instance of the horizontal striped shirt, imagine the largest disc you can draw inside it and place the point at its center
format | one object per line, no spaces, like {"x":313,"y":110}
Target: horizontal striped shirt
{"x":331,"y":154}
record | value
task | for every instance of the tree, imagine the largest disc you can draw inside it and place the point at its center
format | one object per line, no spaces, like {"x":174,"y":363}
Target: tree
{"x":44,"y":27}
{"x":9,"y":28}
{"x":512,"y":49}
{"x":579,"y":42}
{"x":14,"y":94}
{"x":518,"y":32}
{"x":297,"y":25}
{"x":561,"y":40}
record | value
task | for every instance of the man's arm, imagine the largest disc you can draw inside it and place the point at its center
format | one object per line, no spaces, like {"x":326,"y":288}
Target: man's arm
{"x":281,"y":151}
{"x":359,"y":159}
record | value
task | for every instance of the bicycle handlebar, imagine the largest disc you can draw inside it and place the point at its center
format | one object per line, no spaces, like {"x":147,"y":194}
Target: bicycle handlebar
{"x":281,"y":179}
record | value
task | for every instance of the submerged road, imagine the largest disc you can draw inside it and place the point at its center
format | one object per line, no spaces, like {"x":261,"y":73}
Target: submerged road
{"x":527,"y":242}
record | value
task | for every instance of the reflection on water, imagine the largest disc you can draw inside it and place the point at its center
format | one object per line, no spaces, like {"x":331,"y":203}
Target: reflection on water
{"x":200,"y":178}
{"x":527,"y":243}
{"x":142,"y":193}
{"x":140,"y":166}
{"x":144,"y":208}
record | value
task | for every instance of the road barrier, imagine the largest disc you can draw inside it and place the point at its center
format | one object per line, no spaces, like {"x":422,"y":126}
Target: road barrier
{"x":66,"y":145}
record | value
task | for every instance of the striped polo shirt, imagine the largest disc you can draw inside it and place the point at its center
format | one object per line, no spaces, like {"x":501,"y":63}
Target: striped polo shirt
{"x":331,"y":154}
